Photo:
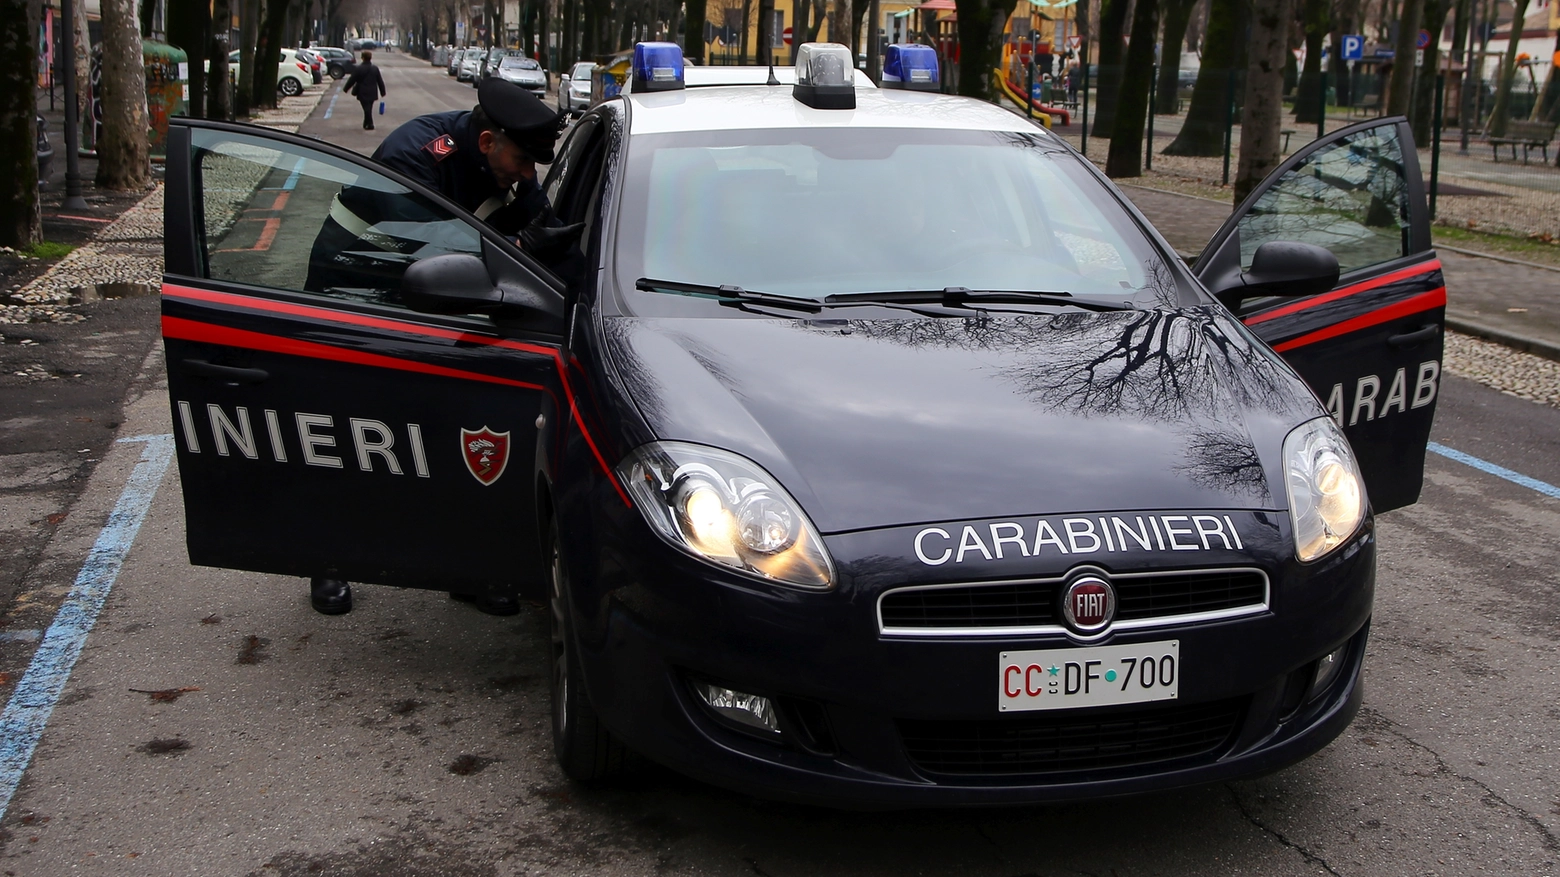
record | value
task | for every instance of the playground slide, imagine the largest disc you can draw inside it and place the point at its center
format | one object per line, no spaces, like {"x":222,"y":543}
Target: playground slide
{"x":1015,"y":93}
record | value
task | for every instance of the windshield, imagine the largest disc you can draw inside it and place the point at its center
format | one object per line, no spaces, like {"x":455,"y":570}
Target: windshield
{"x":522,"y":63}
{"x":581,"y":71}
{"x":819,"y":212}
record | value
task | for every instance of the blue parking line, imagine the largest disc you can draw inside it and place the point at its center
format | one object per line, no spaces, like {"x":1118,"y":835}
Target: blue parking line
{"x":292,"y":181}
{"x":1543,"y":487}
{"x":331,"y":107}
{"x":22,"y":723}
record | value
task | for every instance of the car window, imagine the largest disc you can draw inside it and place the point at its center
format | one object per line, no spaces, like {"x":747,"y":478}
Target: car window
{"x":1350,"y":197}
{"x":288,"y":217}
{"x":874,"y":210}
{"x":581,"y":71}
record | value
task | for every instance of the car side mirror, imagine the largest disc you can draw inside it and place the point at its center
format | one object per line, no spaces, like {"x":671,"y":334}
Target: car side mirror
{"x":1288,"y":268}
{"x":459,"y":283}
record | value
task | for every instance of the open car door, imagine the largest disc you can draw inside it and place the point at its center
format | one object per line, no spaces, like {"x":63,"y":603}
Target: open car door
{"x":1371,"y":346}
{"x":323,"y":427}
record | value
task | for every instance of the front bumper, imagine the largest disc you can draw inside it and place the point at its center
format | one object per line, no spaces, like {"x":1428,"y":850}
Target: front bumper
{"x":866,"y":715}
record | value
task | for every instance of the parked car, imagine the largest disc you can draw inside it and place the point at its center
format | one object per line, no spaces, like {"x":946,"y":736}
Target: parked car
{"x":338,"y":62}
{"x":574,"y":88}
{"x":292,"y":74}
{"x":455,"y":58}
{"x":308,"y":57}
{"x":470,"y":64}
{"x":523,"y":71}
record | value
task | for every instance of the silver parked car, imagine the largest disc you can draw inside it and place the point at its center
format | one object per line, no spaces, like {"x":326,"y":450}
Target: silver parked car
{"x":574,"y":88}
{"x":525,"y":72}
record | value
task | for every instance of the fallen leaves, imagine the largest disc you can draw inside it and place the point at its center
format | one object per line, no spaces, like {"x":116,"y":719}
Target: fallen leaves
{"x":164,"y":746}
{"x":167,"y":695}
{"x":250,"y":652}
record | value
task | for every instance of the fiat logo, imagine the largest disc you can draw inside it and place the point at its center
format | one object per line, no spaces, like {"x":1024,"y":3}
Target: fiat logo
{"x":1089,"y":604}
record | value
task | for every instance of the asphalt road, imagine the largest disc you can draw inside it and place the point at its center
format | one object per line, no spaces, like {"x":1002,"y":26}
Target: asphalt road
{"x":411,"y":736}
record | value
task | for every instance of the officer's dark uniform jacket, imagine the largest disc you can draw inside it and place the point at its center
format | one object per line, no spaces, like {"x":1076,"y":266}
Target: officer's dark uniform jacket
{"x":440,"y":151}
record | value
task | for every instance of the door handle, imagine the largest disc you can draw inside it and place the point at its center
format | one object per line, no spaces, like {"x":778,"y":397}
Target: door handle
{"x":230,"y":374}
{"x":1409,"y":339}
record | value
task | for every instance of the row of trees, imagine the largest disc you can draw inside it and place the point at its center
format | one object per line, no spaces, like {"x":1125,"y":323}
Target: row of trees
{"x":124,"y":160}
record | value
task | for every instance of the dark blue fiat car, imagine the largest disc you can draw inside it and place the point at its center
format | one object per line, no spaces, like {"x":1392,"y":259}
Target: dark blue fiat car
{"x":870,"y":449}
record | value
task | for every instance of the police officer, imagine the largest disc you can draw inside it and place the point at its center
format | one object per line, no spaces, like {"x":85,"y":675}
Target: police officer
{"x":485,"y":160}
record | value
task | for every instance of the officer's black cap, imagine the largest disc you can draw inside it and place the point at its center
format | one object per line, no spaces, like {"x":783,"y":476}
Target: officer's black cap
{"x":522,"y":117}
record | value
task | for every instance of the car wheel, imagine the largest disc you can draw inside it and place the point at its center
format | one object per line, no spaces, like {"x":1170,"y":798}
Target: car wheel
{"x":336,"y":72}
{"x":585,"y":750}
{"x":290,"y":87}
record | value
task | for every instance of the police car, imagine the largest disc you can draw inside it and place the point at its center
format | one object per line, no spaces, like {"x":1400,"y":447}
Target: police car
{"x":873,"y":450}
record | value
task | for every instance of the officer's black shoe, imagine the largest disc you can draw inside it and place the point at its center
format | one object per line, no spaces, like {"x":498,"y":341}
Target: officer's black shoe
{"x":492,"y":604}
{"x":330,"y":596}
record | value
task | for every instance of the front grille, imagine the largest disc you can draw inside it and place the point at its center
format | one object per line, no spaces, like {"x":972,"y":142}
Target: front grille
{"x":1139,"y":596}
{"x":1067,"y":742}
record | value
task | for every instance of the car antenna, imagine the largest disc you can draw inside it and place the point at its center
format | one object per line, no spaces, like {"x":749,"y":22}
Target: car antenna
{"x":772,"y":79}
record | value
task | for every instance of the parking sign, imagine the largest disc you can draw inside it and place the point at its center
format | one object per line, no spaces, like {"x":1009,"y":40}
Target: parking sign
{"x":1353,"y":47}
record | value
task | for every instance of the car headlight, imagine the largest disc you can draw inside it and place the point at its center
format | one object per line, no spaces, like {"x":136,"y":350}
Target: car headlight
{"x":1326,"y":493}
{"x":724,"y":508}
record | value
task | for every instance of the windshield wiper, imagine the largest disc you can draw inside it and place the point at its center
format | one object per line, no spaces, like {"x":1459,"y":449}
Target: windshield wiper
{"x":731,"y":295}
{"x":959,"y":296}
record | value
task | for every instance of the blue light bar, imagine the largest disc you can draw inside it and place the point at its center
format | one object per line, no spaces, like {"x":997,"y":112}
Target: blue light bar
{"x":657,"y":67}
{"x":911,"y":66}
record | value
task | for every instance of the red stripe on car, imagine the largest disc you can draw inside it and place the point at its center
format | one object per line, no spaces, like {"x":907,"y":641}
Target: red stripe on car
{"x":1345,"y":292}
{"x":1436,"y":298}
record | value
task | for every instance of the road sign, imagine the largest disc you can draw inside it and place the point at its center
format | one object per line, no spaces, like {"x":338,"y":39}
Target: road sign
{"x":1423,"y":40}
{"x":1419,"y":57}
{"x":1353,"y":47}
{"x":787,"y":35}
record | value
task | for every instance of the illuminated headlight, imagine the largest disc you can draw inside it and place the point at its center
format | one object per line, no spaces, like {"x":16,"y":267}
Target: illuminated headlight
{"x":724,"y":508}
{"x":1326,"y":494}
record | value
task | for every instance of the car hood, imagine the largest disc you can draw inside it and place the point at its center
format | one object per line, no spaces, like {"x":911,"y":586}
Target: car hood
{"x":879,"y":423}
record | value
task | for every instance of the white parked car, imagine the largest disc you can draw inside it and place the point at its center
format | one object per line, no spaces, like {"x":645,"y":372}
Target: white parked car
{"x":574,"y":88}
{"x":292,"y":74}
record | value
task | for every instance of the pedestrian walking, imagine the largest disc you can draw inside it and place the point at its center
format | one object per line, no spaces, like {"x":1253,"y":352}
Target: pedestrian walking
{"x":367,"y":84}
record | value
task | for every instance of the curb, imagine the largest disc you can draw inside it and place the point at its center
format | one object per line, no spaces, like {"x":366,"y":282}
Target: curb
{"x":1545,"y":349}
{"x":1507,"y":259}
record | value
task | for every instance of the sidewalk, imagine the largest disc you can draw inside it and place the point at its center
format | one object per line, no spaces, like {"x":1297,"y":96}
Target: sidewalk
{"x":124,"y":257}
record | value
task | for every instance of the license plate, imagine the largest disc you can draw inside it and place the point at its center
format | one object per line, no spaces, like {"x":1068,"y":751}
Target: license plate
{"x":1059,"y":679}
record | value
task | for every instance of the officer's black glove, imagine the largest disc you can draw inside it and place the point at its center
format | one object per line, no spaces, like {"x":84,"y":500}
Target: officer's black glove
{"x":547,"y":242}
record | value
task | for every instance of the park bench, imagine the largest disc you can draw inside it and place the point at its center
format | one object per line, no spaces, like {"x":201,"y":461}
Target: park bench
{"x":1368,"y":105}
{"x":1528,"y":135}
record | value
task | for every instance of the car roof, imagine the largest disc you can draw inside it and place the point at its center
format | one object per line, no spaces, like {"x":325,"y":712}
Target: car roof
{"x":732,"y":108}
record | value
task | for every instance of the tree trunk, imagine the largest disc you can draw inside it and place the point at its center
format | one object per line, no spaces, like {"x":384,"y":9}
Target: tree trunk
{"x":1113,"y":22}
{"x":766,"y":39}
{"x":248,"y":24}
{"x":1203,"y":133}
{"x":267,"y":50}
{"x":1421,"y":114}
{"x":1178,"y":13}
{"x":124,"y":155}
{"x":1338,"y":69}
{"x":21,"y":224}
{"x":219,"y":104}
{"x":83,"y":64}
{"x":1547,"y":107}
{"x":1137,"y":81}
{"x":981,"y":23}
{"x":1399,"y":95}
{"x":1308,"y":96}
{"x":1500,"y":116}
{"x":1263,"y":111}
{"x":189,"y":28}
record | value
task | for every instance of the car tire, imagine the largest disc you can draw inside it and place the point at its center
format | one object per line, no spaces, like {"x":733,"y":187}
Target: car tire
{"x":290,"y":87}
{"x":585,"y":749}
{"x":336,"y":72}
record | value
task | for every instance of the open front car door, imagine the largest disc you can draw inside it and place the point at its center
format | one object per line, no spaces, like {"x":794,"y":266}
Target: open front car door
{"x":1371,"y":346}
{"x":324,"y":426}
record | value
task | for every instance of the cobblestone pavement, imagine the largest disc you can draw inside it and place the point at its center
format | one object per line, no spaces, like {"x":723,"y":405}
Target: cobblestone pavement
{"x":126,"y":251}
